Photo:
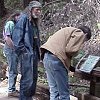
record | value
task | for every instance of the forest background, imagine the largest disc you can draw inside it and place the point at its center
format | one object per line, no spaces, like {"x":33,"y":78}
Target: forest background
{"x":57,"y":14}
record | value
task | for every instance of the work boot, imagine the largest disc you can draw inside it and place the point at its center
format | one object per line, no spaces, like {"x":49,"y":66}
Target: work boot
{"x":13,"y":94}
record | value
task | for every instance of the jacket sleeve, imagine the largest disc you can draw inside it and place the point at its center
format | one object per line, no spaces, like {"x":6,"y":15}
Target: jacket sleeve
{"x":8,"y":29}
{"x":18,"y":35}
{"x":75,"y":42}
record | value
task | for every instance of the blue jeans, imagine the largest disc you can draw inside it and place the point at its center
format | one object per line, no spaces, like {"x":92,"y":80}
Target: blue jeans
{"x":29,"y":76}
{"x":57,"y":76}
{"x":12,"y":60}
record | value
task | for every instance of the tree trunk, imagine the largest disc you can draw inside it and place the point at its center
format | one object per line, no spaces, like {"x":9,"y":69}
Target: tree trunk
{"x":2,"y":8}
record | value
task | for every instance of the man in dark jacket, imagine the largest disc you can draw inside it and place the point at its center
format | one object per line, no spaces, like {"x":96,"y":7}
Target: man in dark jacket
{"x":26,"y":41}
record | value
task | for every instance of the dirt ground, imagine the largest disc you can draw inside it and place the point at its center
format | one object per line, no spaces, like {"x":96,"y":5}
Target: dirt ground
{"x":3,"y":91}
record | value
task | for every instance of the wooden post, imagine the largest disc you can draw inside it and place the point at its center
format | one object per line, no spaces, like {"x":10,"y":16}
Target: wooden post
{"x":95,"y":88}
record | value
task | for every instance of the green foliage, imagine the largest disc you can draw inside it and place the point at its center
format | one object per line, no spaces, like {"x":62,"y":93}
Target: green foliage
{"x":41,"y":69}
{"x":2,"y":58}
{"x":42,"y":75}
{"x":76,"y":59}
{"x":73,"y":79}
{"x":78,"y":86}
{"x":81,"y":90}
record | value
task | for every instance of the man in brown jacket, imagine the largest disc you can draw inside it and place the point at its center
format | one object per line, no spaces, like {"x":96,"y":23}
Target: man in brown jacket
{"x":57,"y":53}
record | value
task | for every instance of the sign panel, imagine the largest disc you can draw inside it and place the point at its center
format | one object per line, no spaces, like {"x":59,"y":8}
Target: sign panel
{"x":89,"y":64}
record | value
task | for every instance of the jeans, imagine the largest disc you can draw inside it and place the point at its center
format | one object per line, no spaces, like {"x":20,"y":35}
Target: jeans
{"x":29,"y":76}
{"x":12,"y":60}
{"x":57,"y":76}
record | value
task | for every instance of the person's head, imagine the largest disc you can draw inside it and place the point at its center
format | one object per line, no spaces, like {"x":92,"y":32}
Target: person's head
{"x":35,"y":9}
{"x":14,"y":17}
{"x":87,"y":31}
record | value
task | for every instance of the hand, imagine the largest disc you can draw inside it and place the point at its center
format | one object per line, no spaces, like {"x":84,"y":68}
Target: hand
{"x":72,"y":69}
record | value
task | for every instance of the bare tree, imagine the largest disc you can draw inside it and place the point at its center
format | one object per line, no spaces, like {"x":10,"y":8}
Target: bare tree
{"x":26,"y":2}
{"x":43,"y":2}
{"x":2,"y":8}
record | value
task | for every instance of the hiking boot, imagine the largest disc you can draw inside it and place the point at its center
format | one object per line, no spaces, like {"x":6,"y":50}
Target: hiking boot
{"x":13,"y":94}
